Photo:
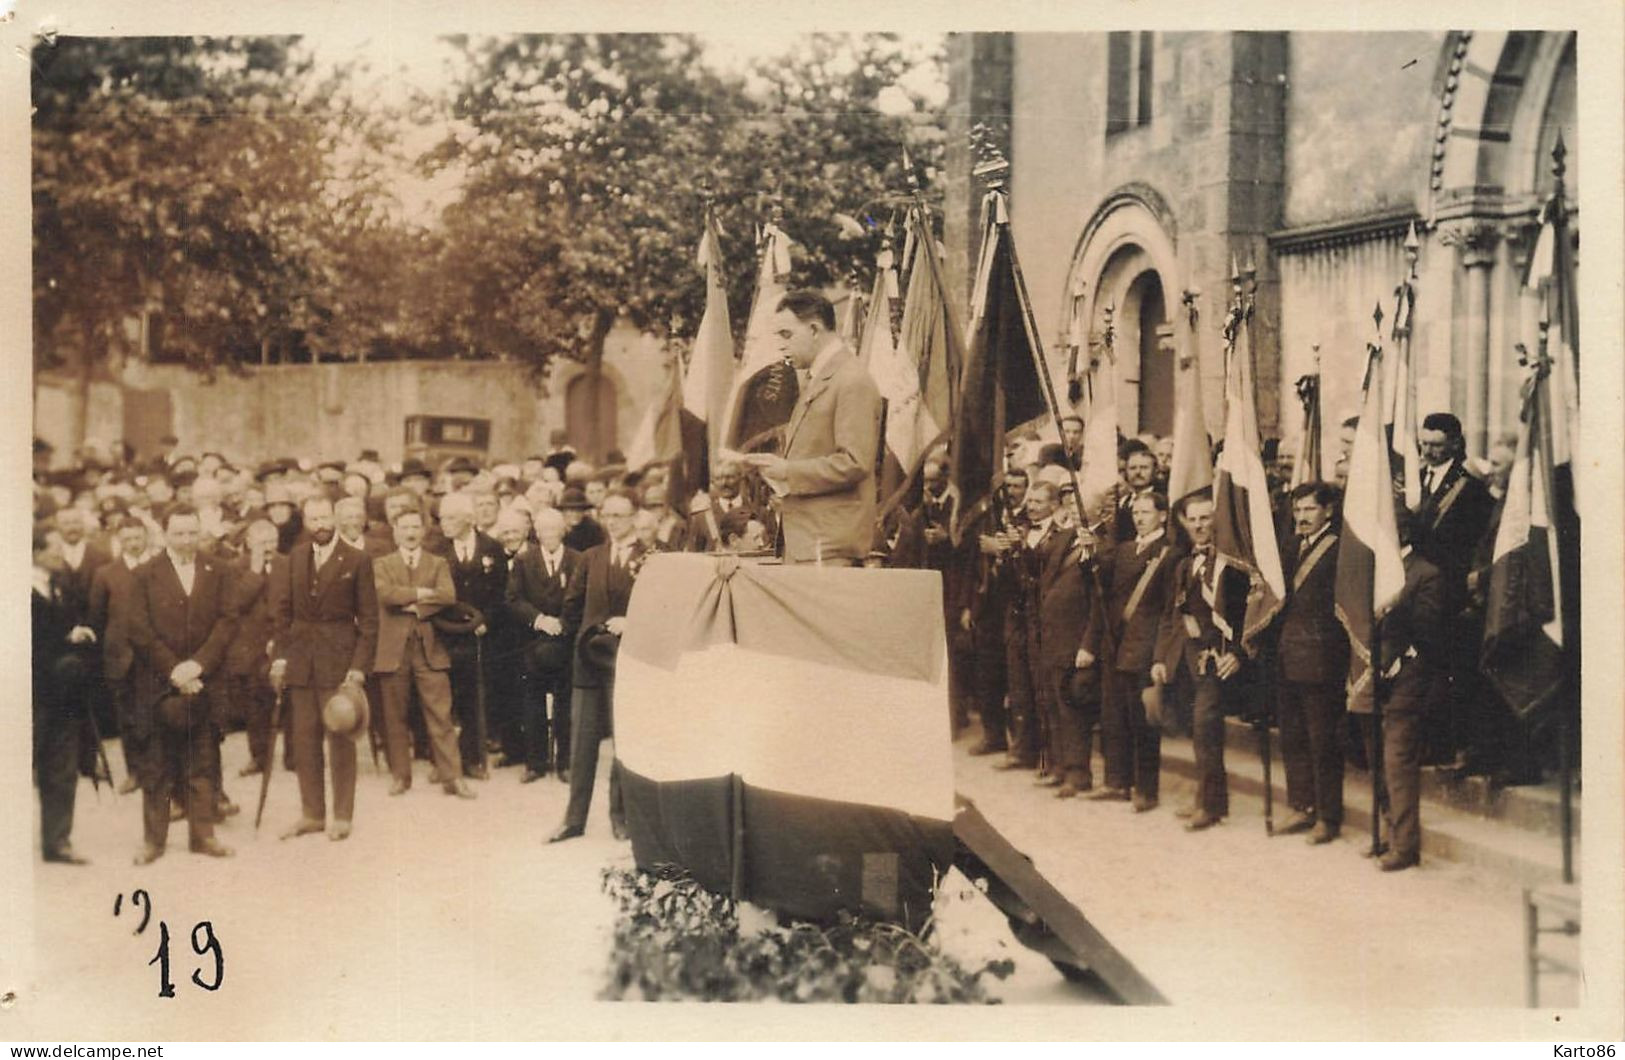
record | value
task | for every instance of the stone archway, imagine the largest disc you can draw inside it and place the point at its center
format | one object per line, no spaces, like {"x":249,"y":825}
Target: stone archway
{"x":1504,"y":97}
{"x":1126,"y":259}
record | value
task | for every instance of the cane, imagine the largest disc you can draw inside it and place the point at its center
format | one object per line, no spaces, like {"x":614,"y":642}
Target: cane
{"x":479,"y":702}
{"x":270,"y":757}
{"x":1269,"y":788}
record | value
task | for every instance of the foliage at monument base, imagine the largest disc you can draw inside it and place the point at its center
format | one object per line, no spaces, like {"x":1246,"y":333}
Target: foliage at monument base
{"x":676,"y":941}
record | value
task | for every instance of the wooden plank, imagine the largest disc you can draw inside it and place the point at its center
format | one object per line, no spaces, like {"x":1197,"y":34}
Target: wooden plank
{"x":1050,"y":909}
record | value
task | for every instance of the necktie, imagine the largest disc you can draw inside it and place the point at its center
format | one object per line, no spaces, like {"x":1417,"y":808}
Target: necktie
{"x":1427,"y":480}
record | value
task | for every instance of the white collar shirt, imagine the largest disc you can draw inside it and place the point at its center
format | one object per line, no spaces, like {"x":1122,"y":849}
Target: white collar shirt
{"x":186,"y":571}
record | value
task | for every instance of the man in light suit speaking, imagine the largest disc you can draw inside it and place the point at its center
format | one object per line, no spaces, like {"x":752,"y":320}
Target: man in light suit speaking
{"x":825,"y":480}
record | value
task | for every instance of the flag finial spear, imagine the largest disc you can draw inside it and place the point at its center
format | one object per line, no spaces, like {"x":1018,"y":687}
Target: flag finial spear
{"x":1413,"y":247}
{"x":1376,"y":317}
{"x":1560,"y":154}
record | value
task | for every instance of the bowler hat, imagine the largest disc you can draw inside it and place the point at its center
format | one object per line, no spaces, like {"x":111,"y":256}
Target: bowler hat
{"x":460,"y":463}
{"x":413,"y":466}
{"x":267,"y":468}
{"x":174,"y":710}
{"x":598,"y":647}
{"x":458,"y":619}
{"x":574,"y":499}
{"x":345,"y":712}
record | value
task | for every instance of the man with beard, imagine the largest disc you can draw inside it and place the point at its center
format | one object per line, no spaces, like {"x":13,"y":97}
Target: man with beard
{"x":326,"y":622}
{"x":180,"y":627}
{"x":595,"y":604}
{"x":247,"y":663}
{"x":537,"y":584}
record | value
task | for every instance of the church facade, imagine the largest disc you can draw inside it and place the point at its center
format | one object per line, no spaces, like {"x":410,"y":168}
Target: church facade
{"x":1144,"y":167}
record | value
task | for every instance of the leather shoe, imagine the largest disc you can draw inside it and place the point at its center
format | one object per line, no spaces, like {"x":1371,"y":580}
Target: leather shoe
{"x":1066,"y":791}
{"x":477,"y":773}
{"x":250,"y":770}
{"x":1048,"y":780}
{"x":566,"y":832}
{"x":64,"y":855}
{"x":437,"y":777}
{"x":1110,"y":794}
{"x":459,"y":788}
{"x":1200,"y":821}
{"x":177,"y":811}
{"x":400,"y":787}
{"x":618,"y":830}
{"x":149,"y":854}
{"x":211,"y":847}
{"x":989,"y":747}
{"x":1393,"y":861}
{"x":305,"y":826}
{"x":226,"y":808}
{"x":563,"y":775}
{"x":1300,"y":821}
{"x":1144,"y":803}
{"x":1186,"y":811}
{"x":127,"y":786}
{"x":507,"y":762}
{"x":1323,"y":833}
{"x":338,"y":830}
{"x":532,"y":776}
{"x":1374,"y":852}
{"x":1015,"y":763}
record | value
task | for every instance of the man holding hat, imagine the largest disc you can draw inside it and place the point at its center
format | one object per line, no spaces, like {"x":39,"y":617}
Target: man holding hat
{"x":326,"y":623}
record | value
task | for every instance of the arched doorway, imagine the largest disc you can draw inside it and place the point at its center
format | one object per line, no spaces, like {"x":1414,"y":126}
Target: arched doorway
{"x":589,"y":415}
{"x":1126,"y":260}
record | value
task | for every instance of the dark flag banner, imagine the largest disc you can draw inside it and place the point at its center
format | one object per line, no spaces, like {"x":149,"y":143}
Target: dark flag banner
{"x":783,"y":733}
{"x":764,"y":387}
{"x":1000,"y":387}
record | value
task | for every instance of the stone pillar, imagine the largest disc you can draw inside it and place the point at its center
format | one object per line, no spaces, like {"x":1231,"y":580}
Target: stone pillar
{"x":980,"y":82}
{"x":1476,"y":241}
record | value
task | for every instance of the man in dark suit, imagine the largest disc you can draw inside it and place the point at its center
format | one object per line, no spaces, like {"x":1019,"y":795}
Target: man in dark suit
{"x":247,"y":658}
{"x":1139,"y":477}
{"x":707,"y":509}
{"x":595,"y":605}
{"x":581,"y":529}
{"x":1196,"y":646}
{"x":180,"y":626}
{"x":81,"y":557}
{"x":1072,"y":441}
{"x":1070,"y":650}
{"x":479,"y":572}
{"x":326,"y":622}
{"x":825,"y":478}
{"x":1409,"y":653}
{"x":412,"y":585}
{"x":112,"y":591}
{"x":60,"y":673}
{"x":537,"y":584}
{"x":988,"y":612}
{"x":1312,"y":651}
{"x":1044,"y":537}
{"x":1449,"y":523}
{"x":1138,"y":577}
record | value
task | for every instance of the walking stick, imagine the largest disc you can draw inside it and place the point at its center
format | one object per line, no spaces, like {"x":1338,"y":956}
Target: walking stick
{"x":1377,"y":794}
{"x":479,"y":703}
{"x":270,"y":757}
{"x":1269,"y":787}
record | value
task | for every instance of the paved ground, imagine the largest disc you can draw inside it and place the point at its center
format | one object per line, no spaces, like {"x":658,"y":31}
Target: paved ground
{"x":441,"y":918}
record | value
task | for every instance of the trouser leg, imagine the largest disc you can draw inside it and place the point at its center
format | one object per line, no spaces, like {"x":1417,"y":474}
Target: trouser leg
{"x":56,"y":770}
{"x":1116,"y":748}
{"x":989,"y":679}
{"x":588,"y":731}
{"x":1402,"y":766}
{"x":1325,"y":713}
{"x":434,"y":692}
{"x":341,"y":756}
{"x":1144,"y":738}
{"x":307,"y":752}
{"x":1207,"y":725}
{"x":1292,"y":708}
{"x":1074,"y":717}
{"x":534,"y":684}
{"x":1018,"y":676}
{"x":464,"y":677}
{"x":202,"y":766}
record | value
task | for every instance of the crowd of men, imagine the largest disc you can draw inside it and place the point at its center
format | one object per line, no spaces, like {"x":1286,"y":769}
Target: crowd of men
{"x":466,"y":611}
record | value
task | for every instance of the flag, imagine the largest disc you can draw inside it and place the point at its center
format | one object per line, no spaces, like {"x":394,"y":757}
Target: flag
{"x":1243,"y":524}
{"x":764,"y":386}
{"x":918,"y":420}
{"x":1307,"y":466}
{"x":709,"y":378}
{"x":1370,"y":569}
{"x":897,"y":381}
{"x":1401,"y":413}
{"x":1000,"y":387}
{"x":1098,"y":480}
{"x":1191,"y":469}
{"x":659,"y":437}
{"x":1523,"y":620}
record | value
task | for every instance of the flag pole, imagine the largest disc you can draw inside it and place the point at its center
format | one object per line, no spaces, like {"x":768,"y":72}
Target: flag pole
{"x":996,"y":170}
{"x":1374,"y":375}
{"x":1262,"y":723}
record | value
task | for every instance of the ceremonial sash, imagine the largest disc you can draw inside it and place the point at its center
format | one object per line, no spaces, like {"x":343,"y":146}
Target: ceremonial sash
{"x":1142,"y":585}
{"x":1450,"y":497}
{"x":1316,"y":554}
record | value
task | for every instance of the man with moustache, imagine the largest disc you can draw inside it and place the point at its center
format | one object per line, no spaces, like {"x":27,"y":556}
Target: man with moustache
{"x":248,"y":659}
{"x":1138,"y":577}
{"x":326,"y":622}
{"x":412,"y":585}
{"x":1312,"y":651}
{"x":479,"y":573}
{"x":112,"y":592}
{"x":1139,"y":475}
{"x":181,"y":623}
{"x":595,"y":605}
{"x":537,"y":583}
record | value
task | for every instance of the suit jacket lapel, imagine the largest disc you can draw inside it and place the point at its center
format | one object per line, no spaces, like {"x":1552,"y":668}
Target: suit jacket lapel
{"x":815,"y":386}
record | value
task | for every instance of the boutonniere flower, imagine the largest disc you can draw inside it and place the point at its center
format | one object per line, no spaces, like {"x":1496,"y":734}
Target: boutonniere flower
{"x":487,"y":563}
